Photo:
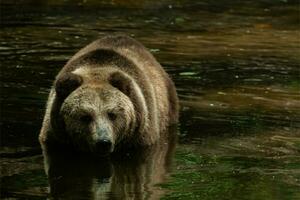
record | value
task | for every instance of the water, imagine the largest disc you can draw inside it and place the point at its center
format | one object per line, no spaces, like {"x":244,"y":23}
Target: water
{"x":236,"y":69}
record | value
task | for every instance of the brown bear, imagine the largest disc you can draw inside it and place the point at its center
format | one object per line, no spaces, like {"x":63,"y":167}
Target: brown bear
{"x":112,"y":93}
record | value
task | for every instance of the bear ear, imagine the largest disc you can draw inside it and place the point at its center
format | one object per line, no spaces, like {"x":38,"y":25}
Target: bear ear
{"x":129,"y":87}
{"x":121,"y":82}
{"x":66,"y":84}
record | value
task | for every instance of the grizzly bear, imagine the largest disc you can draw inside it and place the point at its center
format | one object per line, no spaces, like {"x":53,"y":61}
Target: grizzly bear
{"x":111,"y":94}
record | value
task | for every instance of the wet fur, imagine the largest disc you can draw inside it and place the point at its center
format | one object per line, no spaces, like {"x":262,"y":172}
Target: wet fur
{"x":123,"y":63}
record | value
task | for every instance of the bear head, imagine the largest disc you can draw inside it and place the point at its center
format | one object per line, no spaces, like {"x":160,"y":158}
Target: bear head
{"x":99,"y":108}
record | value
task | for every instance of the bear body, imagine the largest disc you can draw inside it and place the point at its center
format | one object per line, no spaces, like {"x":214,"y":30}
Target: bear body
{"x":112,"y":93}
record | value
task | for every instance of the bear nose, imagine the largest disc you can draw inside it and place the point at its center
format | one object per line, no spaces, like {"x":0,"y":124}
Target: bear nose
{"x":103,"y":146}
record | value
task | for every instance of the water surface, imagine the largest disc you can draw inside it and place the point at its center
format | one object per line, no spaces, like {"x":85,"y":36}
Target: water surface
{"x":236,"y":68}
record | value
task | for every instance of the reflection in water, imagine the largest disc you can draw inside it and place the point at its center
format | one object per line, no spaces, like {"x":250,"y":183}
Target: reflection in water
{"x":126,"y":175}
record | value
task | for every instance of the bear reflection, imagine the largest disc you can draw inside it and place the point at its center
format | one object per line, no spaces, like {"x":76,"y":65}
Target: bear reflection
{"x":125,"y":175}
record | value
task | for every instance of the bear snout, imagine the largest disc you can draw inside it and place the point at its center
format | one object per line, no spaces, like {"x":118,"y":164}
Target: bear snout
{"x":104,"y":142}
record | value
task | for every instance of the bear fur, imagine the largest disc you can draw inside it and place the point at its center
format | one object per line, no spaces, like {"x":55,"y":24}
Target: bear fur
{"x":112,"y":93}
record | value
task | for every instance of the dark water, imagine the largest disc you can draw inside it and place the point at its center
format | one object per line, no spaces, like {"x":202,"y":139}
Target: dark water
{"x":236,"y":67}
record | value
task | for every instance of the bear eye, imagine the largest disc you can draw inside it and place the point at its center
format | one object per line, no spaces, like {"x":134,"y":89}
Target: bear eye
{"x":112,"y":116}
{"x":86,"y":118}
